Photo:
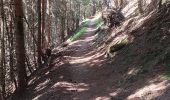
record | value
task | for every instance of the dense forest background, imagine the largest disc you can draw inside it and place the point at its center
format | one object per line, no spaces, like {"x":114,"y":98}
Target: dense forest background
{"x":29,"y":27}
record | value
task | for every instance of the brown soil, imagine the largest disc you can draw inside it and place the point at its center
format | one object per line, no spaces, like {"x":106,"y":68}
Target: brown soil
{"x":84,"y":73}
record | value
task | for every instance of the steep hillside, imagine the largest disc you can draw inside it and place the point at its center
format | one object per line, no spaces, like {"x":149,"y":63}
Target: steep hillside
{"x":144,"y":60}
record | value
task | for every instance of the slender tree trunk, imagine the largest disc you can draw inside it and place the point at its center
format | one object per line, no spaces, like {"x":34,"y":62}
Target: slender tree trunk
{"x":34,"y":42}
{"x":160,"y":4}
{"x":49,"y":22}
{"x":77,"y":23}
{"x":94,"y":9}
{"x":63,"y":17}
{"x":39,"y":42}
{"x":11,"y":49}
{"x":20,"y":46}
{"x":2,"y":67}
{"x":33,"y":38}
{"x":78,"y":18}
{"x":43,"y":23}
{"x":11,"y":53}
{"x":62,"y":29}
{"x":2,"y":74}
{"x":68,"y":29}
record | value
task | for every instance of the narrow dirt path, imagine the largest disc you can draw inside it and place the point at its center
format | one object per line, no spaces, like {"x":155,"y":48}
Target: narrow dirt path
{"x":83,"y":73}
{"x":85,"y":83}
{"x":78,"y":75}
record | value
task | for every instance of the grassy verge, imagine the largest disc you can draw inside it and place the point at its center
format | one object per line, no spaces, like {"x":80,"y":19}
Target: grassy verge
{"x":78,"y":34}
{"x":83,"y":27}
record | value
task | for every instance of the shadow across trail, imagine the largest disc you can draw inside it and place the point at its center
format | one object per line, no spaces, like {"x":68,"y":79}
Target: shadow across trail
{"x":73,"y":76}
{"x":85,"y":73}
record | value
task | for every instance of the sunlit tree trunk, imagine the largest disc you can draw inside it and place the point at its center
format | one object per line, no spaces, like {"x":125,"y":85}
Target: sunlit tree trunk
{"x":33,"y":32}
{"x":49,"y":22}
{"x":11,"y":53}
{"x":2,"y":66}
{"x":11,"y":49}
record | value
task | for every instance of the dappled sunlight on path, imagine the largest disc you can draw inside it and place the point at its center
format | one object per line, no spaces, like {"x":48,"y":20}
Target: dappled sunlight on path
{"x":86,"y":74}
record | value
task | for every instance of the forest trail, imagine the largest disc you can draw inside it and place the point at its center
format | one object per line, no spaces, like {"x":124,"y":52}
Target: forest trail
{"x":85,"y":50}
{"x":77,"y":76}
{"x":83,"y":73}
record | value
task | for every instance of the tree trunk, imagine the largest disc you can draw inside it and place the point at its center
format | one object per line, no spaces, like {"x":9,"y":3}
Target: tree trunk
{"x":39,"y":42}
{"x":33,"y":38}
{"x":11,"y":54}
{"x":43,"y":23}
{"x":94,"y":9}
{"x":2,"y":67}
{"x":160,"y":4}
{"x":63,"y":18}
{"x":20,"y":47}
{"x":11,"y":49}
{"x":2,"y":74}
{"x":62,"y":29}
{"x":49,"y":22}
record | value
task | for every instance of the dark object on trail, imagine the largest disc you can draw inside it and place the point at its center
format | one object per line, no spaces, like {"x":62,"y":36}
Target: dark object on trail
{"x":46,"y":55}
{"x":48,"y":52}
{"x":112,"y":17}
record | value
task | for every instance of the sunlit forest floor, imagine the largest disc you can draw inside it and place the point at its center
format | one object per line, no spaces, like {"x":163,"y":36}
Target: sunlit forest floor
{"x":83,"y":72}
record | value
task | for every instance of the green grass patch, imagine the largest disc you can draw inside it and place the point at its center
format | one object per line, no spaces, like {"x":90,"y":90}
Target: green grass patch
{"x":84,"y":23}
{"x":98,"y":22}
{"x":165,"y":75}
{"x":78,"y":34}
